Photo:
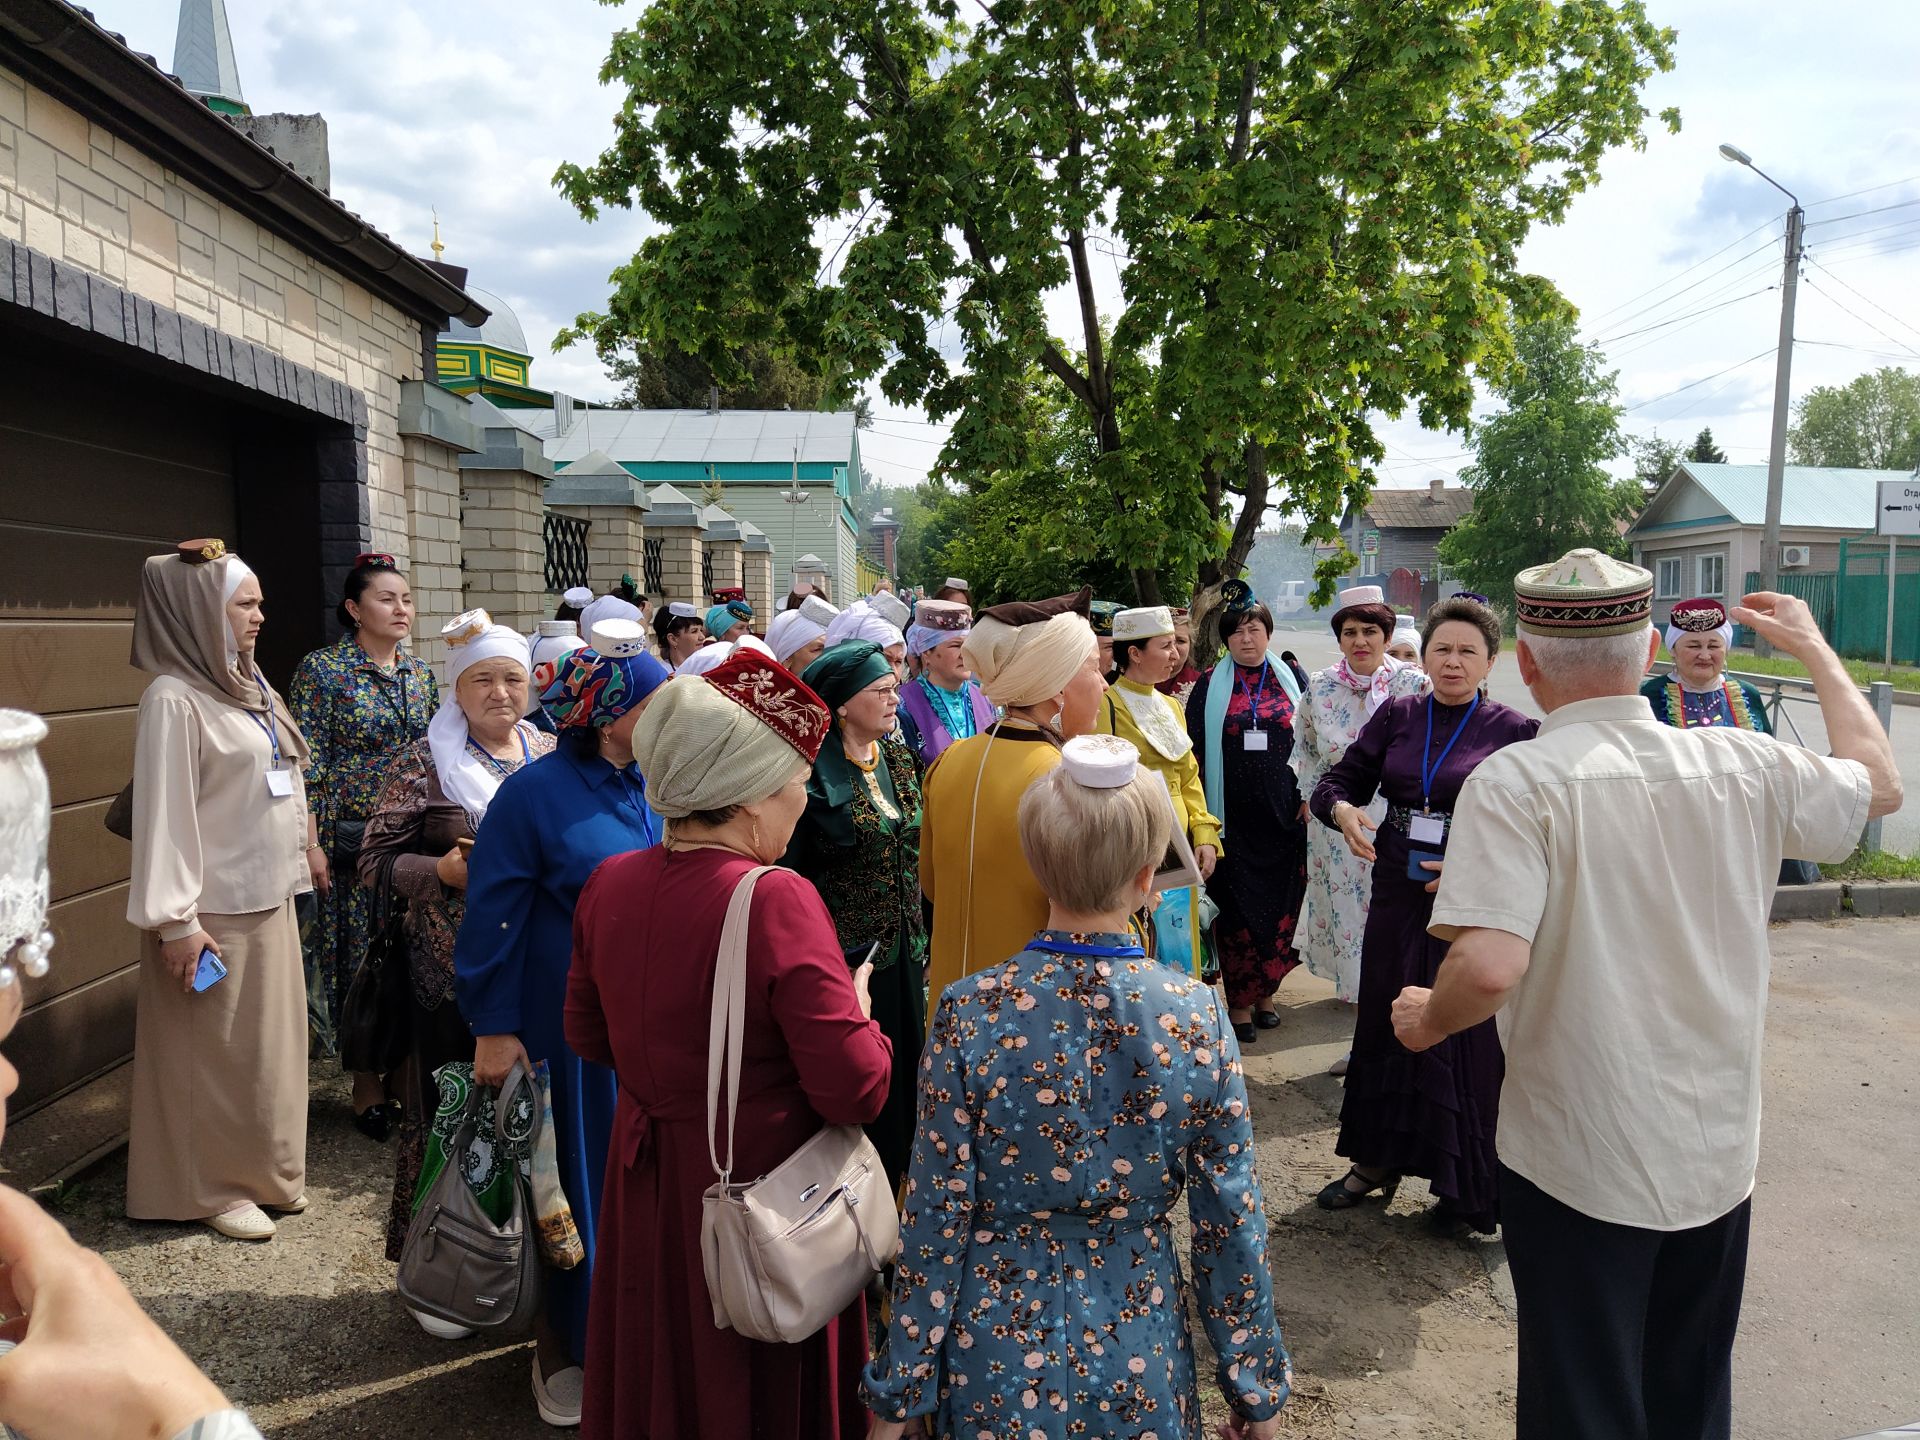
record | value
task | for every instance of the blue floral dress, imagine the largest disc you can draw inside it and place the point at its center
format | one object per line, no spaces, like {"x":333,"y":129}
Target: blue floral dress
{"x":1067,"y":1097}
{"x":356,"y":716}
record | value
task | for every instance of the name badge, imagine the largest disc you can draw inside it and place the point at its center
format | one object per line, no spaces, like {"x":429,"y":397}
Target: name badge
{"x":1427,"y":829}
{"x":280,"y":783}
{"x":1255,"y":739}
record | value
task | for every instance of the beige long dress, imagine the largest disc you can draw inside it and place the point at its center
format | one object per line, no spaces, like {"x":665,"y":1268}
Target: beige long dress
{"x":219,"y":1077}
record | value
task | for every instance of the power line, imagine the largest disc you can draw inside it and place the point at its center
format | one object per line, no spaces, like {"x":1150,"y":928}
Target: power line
{"x":1706,"y":279}
{"x":1737,"y":240}
{"x":1690,"y":315}
{"x":1889,"y":185}
{"x":1856,"y":214}
{"x":1856,"y":349}
{"x":1893,"y":339}
{"x":1691,"y":384}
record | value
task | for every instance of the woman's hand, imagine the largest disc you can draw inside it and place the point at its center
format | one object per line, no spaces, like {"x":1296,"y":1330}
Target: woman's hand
{"x":1306,"y":813}
{"x":182,"y":957}
{"x":1433,"y":885}
{"x":1355,"y":826}
{"x":91,"y":1363}
{"x":1206,"y":857}
{"x":318,"y":871}
{"x":862,"y":981}
{"x":494,"y":1057}
{"x":452,"y":868}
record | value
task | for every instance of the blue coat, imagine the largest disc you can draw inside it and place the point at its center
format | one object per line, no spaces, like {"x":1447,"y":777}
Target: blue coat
{"x":550,"y":825}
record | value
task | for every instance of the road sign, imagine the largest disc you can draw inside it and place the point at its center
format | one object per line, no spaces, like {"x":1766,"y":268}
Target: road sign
{"x":1897,"y":511}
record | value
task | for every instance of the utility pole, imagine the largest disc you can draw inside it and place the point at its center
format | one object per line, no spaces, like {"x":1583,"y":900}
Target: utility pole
{"x":1782,"y":384}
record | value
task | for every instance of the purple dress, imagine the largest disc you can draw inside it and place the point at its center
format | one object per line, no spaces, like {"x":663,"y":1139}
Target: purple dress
{"x":1431,"y":1114}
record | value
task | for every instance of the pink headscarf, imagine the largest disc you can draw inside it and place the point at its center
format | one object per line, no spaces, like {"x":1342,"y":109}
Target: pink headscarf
{"x":1376,"y":686}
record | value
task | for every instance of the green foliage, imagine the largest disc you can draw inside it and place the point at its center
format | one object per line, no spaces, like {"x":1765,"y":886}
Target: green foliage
{"x":1653,"y":460}
{"x":1703,"y":451}
{"x":1314,"y":212}
{"x":1539,"y":484}
{"x":1870,"y":423}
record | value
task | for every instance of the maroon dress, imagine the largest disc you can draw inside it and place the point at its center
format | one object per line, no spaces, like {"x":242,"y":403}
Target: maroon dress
{"x":1431,"y":1114}
{"x":645,"y":938}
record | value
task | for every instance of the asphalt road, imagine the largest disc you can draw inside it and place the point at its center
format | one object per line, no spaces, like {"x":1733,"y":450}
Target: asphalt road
{"x":1316,"y":648}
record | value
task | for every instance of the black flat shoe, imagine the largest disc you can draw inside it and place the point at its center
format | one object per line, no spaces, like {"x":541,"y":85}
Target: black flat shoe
{"x":1267,"y":1019}
{"x":1244,"y":1032}
{"x":1340,"y":1196}
{"x":376,"y":1121}
{"x":1210,"y":976}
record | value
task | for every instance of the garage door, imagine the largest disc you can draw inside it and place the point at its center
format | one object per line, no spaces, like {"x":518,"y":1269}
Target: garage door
{"x":97,"y":471}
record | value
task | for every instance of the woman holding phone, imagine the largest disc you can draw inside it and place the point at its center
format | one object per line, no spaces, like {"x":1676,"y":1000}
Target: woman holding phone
{"x":1431,"y":1114}
{"x":859,"y":842}
{"x":220,"y":848}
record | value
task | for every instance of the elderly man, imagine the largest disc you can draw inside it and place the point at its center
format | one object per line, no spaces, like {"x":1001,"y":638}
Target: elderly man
{"x":1606,"y":890}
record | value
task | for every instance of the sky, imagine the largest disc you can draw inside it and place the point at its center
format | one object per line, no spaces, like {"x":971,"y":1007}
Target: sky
{"x":1674,"y":259}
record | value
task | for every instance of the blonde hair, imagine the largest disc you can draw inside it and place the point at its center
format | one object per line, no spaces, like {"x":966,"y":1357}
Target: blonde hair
{"x":1084,"y":845}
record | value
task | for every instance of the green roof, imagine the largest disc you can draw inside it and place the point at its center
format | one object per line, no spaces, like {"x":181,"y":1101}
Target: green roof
{"x":1812,"y":497}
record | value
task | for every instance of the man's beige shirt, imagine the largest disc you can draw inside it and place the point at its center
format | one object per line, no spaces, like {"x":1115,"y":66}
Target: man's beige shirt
{"x":1639,"y":860}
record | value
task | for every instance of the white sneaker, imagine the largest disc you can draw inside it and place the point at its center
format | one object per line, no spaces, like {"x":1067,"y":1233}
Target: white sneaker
{"x":438,"y":1328}
{"x":246,"y":1222}
{"x":295,"y":1206}
{"x":558,"y":1397}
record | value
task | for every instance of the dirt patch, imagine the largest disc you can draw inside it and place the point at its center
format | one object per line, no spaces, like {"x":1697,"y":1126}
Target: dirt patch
{"x":1394,"y":1333}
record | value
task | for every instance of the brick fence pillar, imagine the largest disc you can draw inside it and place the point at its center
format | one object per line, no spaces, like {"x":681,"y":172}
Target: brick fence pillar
{"x":677,"y":522}
{"x":756,"y":566}
{"x":614,"y":505}
{"x":503,"y":489}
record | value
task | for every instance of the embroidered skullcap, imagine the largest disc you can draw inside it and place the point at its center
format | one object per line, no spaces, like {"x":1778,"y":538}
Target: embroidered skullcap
{"x":1366,"y":603}
{"x":722,"y":618}
{"x":846,"y":669}
{"x":935,"y":622}
{"x":1100,"y":614}
{"x":1100,"y":762}
{"x":607,"y":607}
{"x":1583,"y":594}
{"x":1702,"y":616}
{"x":892,"y":609}
{"x":730,"y":737}
{"x":619,"y":639}
{"x":1143,"y":622}
{"x":578,"y":596}
{"x":592,"y":689}
{"x":1236,"y":597}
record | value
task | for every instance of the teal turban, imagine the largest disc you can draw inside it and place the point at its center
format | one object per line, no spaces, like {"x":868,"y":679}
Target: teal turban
{"x":846,"y":669}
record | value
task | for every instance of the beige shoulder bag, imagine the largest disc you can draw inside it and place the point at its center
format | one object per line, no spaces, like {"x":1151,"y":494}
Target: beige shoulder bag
{"x":786,"y":1253}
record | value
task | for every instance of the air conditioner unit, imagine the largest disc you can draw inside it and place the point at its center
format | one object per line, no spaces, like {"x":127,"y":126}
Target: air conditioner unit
{"x":1795,"y":557}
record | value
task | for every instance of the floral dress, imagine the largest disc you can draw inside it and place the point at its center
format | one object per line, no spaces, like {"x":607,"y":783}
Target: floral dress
{"x":1067,"y":1097}
{"x":355,"y":715}
{"x":1325,"y":723}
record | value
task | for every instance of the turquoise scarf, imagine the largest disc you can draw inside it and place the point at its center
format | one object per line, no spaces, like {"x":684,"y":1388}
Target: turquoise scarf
{"x":1219,"y":695}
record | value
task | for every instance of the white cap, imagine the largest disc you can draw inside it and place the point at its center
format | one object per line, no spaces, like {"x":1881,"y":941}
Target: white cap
{"x":890,"y":608}
{"x":819,"y":611}
{"x":614,"y":638}
{"x":550,"y":628}
{"x":467,"y":625}
{"x":1143,"y":623}
{"x":1360,"y":595}
{"x":579,"y":597}
{"x":1100,"y":762}
{"x":1403,"y":625}
{"x":683,"y":610}
{"x":954,"y":582}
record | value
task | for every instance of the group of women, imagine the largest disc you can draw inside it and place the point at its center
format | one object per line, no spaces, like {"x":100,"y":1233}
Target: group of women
{"x":950,"y":955}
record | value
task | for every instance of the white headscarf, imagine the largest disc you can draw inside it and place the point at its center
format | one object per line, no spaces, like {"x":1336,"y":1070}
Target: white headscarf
{"x":794,"y":629}
{"x":607,"y":607}
{"x":465,"y":778}
{"x":704,"y":659}
{"x":860,"y":621}
{"x":233,"y":572}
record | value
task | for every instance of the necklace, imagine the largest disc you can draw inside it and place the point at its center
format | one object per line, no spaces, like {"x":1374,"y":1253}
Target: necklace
{"x":870,"y":763}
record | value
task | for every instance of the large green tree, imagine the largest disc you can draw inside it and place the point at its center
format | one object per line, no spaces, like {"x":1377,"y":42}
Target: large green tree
{"x":1539,"y":482}
{"x":1870,"y":423}
{"x":1313,"y":214}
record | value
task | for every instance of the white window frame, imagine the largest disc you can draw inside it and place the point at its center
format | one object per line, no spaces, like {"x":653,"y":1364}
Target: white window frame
{"x":1665,"y":589}
{"x":1700,"y":564}
{"x":1370,"y":566}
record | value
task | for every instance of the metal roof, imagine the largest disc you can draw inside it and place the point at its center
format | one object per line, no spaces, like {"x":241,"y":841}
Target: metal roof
{"x":501,"y":329}
{"x":1812,"y":497}
{"x":704,"y":437}
{"x":203,"y":51}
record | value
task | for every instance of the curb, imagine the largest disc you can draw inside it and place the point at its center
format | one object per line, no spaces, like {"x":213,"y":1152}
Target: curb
{"x":1834,"y":899}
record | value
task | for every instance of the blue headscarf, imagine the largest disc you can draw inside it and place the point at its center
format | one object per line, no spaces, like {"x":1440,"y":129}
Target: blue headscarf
{"x":722,"y":618}
{"x":591,"y":689}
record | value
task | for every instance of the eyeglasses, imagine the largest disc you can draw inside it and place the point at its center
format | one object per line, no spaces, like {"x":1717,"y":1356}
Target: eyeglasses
{"x":883,"y":691}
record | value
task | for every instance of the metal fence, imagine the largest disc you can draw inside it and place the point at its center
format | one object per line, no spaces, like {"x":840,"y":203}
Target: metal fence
{"x":706,"y":576}
{"x":653,"y":577}
{"x":565,"y":537}
{"x":1850,"y":604}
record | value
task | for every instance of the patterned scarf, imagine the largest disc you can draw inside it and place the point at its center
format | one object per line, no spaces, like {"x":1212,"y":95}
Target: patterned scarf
{"x":1375,"y":686}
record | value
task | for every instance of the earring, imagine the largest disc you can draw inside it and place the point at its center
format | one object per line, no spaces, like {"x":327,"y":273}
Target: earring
{"x":754,"y":843}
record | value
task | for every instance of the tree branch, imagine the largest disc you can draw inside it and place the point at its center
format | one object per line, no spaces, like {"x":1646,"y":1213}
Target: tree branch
{"x":1243,"y":122}
{"x":1253,"y":509}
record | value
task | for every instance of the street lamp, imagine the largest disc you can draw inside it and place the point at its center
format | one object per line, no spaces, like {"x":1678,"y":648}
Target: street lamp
{"x":796,"y":497}
{"x":1782,"y":377}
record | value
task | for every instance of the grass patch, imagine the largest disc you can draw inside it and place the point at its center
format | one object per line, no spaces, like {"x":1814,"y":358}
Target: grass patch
{"x":1874,"y":865}
{"x":1864,"y":672}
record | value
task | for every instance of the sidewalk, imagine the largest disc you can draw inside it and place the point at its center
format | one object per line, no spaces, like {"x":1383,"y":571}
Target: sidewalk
{"x":1394,"y":1335}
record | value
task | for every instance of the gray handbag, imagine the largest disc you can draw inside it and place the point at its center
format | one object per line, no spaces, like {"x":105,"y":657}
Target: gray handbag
{"x":459,"y":1264}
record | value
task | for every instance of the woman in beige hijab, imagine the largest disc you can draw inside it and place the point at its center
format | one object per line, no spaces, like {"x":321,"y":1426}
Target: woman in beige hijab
{"x":220,"y":840}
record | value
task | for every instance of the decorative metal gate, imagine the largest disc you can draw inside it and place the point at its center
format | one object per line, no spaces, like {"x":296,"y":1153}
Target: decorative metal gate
{"x":706,"y":575}
{"x":566,"y":542}
{"x":652,"y":568}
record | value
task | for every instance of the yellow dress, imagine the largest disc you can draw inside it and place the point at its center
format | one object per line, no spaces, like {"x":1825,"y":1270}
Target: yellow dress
{"x":986,"y":903}
{"x":1157,"y":727}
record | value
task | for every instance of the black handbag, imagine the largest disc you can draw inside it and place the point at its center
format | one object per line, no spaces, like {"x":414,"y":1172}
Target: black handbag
{"x":373,"y":1028}
{"x":348,"y":832}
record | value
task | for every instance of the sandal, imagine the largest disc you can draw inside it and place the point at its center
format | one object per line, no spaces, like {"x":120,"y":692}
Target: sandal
{"x":1341,"y":1196}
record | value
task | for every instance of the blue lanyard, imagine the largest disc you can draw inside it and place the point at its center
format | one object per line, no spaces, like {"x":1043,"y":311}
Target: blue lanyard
{"x":526,"y":755}
{"x":1429,"y":769}
{"x":1257,"y":695}
{"x":1070,"y":947}
{"x":266,"y":723}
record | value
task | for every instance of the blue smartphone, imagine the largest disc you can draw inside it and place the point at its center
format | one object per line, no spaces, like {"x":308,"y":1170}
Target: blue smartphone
{"x":1414,"y":859}
{"x":210,"y":972}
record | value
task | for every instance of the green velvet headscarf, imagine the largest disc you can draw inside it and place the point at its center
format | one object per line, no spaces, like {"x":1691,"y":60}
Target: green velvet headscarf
{"x":844,"y":670}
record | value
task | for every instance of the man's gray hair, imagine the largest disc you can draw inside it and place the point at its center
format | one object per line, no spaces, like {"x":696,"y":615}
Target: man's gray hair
{"x":1614,"y":663}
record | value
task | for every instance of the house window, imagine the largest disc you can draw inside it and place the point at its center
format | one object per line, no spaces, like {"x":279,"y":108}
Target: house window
{"x":1711,"y":573}
{"x":1669,"y":570}
{"x":1369,"y":565}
